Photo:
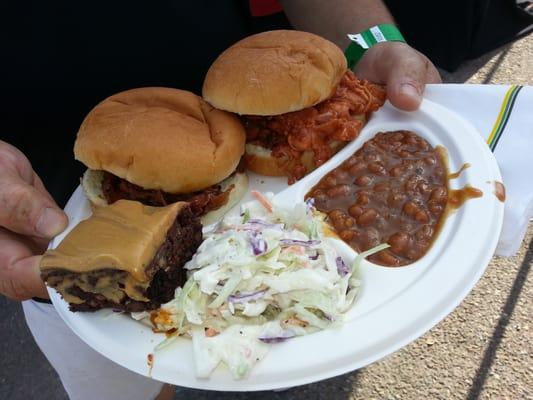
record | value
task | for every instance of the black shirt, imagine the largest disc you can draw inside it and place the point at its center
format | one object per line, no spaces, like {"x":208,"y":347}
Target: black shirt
{"x":60,"y":58}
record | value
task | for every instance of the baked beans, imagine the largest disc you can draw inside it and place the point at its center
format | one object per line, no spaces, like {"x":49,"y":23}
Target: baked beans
{"x":393,"y":190}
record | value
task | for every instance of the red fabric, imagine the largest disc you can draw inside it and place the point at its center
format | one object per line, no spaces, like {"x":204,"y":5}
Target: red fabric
{"x":262,"y":8}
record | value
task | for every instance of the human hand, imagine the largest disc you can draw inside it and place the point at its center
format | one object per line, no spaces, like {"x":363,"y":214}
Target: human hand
{"x":403,"y":69}
{"x":29,"y":218}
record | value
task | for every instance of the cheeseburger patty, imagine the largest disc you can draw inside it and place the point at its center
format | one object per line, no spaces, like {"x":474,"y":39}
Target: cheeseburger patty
{"x":165,"y":270}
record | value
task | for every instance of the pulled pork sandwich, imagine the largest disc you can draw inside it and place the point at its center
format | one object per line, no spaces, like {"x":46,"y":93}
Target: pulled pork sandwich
{"x":298,"y":101}
{"x":127,"y":256}
{"x":160,"y":146}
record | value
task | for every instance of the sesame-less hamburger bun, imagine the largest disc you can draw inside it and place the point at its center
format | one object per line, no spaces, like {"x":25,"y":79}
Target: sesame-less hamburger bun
{"x":161,"y":138}
{"x":161,"y":145}
{"x":274,"y":73}
{"x":297,"y":100}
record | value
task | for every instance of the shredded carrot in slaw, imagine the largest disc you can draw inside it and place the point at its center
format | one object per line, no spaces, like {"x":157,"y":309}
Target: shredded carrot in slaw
{"x":210,"y":332}
{"x":296,"y":249}
{"x":262,"y":200}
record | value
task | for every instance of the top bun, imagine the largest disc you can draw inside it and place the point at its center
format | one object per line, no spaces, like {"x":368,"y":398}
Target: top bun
{"x":161,"y":138}
{"x":274,"y":73}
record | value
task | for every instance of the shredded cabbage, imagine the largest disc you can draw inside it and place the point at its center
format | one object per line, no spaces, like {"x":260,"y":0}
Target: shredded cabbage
{"x":260,"y":278}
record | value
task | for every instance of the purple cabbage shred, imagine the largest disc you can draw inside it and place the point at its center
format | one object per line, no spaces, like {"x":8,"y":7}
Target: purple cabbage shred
{"x":245,"y":297}
{"x":304,"y":243}
{"x":277,"y":339}
{"x":259,"y":245}
{"x":342,"y":268}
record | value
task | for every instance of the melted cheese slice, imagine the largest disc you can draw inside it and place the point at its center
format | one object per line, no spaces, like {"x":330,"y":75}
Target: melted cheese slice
{"x":123,"y":236}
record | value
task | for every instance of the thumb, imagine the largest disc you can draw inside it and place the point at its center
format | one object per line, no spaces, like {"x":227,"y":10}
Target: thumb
{"x":28,"y":211}
{"x":406,"y":83}
{"x":404,"y":71}
{"x":25,"y":205}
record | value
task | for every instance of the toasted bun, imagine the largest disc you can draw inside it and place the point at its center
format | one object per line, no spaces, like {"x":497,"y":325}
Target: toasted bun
{"x":274,"y":73}
{"x":92,"y":185}
{"x":240,"y":187}
{"x":260,"y":160}
{"x":161,"y":138}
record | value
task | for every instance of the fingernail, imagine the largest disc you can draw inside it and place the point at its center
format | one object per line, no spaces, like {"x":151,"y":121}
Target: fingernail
{"x":406,"y":89}
{"x":50,"y":222}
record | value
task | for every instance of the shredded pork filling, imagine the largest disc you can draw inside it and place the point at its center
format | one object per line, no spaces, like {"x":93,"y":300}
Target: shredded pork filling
{"x":315,"y":129}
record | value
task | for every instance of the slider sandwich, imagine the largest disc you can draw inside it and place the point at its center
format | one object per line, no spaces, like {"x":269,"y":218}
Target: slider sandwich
{"x":298,"y":101}
{"x":126,"y":256}
{"x":160,"y":146}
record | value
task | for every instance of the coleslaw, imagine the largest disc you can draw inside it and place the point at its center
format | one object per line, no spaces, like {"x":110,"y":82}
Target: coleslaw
{"x":260,"y":278}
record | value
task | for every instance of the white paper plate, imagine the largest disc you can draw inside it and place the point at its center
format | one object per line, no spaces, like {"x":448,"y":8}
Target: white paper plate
{"x":395,"y":306}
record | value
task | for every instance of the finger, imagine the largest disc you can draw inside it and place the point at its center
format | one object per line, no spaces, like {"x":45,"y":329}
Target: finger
{"x":406,"y":81}
{"x":433,"y":75}
{"x":15,"y":163}
{"x":38,"y":184}
{"x":404,"y":70}
{"x":25,"y":210}
{"x":366,"y":69}
{"x":20,"y":277}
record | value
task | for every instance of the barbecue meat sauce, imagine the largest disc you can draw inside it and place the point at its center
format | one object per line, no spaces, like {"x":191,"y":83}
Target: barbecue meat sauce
{"x":318,"y":129}
{"x":201,"y":202}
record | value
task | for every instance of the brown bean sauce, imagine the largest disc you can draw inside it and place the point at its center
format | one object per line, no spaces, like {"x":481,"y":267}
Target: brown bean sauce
{"x":499,"y":191}
{"x":454,"y":175}
{"x":394,"y":190}
{"x":457,"y":197}
{"x":150,"y":362}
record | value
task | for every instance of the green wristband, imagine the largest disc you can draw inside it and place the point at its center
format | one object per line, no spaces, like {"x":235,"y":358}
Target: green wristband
{"x":361,"y":42}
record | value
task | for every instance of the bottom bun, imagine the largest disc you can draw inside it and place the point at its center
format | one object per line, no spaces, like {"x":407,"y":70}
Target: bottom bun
{"x":239,"y":180}
{"x":92,"y":185}
{"x":260,"y":160}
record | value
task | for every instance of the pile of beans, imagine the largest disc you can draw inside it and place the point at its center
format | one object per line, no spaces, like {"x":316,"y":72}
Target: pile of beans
{"x":393,"y":190}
